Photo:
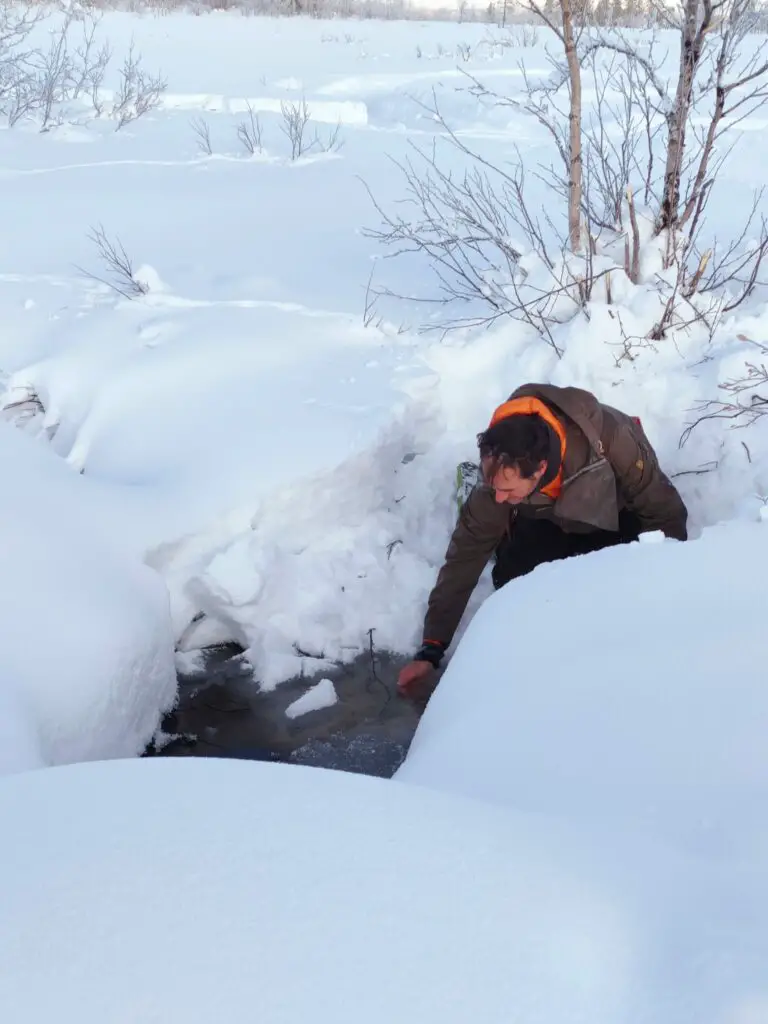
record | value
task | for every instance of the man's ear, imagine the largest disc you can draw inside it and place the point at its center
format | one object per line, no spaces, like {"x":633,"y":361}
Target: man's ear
{"x":542,"y":468}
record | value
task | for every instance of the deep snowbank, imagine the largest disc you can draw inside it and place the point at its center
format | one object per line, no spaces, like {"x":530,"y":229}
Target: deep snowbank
{"x":86,"y":649}
{"x":626,"y":685}
{"x":313,"y":895}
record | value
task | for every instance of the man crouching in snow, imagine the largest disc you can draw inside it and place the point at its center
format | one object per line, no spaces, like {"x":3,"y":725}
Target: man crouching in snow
{"x":562,"y":475}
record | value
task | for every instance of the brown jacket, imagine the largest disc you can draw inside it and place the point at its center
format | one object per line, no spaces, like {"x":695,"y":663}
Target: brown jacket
{"x":609,"y":465}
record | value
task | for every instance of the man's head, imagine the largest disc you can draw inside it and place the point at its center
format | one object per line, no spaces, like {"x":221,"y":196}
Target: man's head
{"x":514,"y":456}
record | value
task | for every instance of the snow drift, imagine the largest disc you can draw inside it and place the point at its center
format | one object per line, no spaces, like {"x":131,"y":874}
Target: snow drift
{"x":312,"y":895}
{"x":624,"y":686}
{"x":86,"y":649}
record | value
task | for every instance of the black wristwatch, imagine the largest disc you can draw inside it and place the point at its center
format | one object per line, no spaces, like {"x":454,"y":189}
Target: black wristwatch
{"x":431,"y":651}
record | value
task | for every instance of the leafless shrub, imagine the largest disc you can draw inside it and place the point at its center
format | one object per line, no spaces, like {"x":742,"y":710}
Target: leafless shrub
{"x":735,"y":268}
{"x":333,"y":142}
{"x":90,"y":62}
{"x":138,"y":91}
{"x":249,"y":132}
{"x":294,"y":125}
{"x":296,"y":117}
{"x":638,"y":143}
{"x":202,"y":131}
{"x":41,"y":82}
{"x":522,"y":36}
{"x":631,"y":346}
{"x":16,"y":76}
{"x":120,"y":273}
{"x":465,"y":226}
{"x":747,"y":399}
{"x":54,"y":73}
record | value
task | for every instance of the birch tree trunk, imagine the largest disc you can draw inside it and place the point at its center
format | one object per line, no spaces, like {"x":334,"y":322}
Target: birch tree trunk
{"x":574,"y":126}
{"x":692,"y":37}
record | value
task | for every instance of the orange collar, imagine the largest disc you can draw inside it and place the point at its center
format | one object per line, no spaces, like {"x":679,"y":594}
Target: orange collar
{"x":535,"y":407}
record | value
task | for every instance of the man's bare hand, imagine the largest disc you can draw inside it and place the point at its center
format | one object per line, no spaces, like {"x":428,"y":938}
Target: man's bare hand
{"x":414,"y":677}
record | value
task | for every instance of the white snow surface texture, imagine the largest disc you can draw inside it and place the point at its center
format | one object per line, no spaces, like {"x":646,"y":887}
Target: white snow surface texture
{"x":204,"y":889}
{"x":86,"y":648}
{"x":624,"y":687}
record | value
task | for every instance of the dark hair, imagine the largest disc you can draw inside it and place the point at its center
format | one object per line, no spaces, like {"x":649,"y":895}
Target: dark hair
{"x":522,"y":441}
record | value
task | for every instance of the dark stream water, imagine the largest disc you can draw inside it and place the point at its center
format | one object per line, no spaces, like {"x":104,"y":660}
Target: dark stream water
{"x":222,"y":712}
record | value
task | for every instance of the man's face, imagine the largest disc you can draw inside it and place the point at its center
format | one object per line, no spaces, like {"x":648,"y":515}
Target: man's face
{"x":509,"y":486}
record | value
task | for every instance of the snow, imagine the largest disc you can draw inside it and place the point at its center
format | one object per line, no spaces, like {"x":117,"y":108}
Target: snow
{"x":86,"y":648}
{"x":278,"y":446}
{"x":298,"y":891}
{"x":248,"y":426}
{"x":321,"y":695}
{"x":628,"y":691}
{"x":257,"y":448}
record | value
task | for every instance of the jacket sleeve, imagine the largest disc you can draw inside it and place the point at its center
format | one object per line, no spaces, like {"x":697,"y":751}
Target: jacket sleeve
{"x":643,"y":486}
{"x":481,"y":526}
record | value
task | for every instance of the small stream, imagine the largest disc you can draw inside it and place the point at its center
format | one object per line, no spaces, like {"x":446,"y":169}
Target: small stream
{"x":222,"y":712}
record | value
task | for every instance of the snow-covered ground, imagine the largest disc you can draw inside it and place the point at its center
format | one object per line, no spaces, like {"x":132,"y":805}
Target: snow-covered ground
{"x":287,"y":468}
{"x":198,"y":890}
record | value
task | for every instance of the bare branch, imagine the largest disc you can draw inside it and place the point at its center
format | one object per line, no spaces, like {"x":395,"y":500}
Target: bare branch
{"x":121,"y":276}
{"x":250,"y":132}
{"x":202,"y":130}
{"x":138,"y":91}
{"x":747,"y":401}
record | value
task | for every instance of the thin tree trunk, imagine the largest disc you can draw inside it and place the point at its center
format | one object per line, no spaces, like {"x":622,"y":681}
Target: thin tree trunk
{"x":691,"y":44}
{"x":574,"y":125}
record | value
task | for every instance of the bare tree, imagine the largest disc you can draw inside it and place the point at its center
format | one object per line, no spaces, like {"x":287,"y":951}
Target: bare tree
{"x":712,"y":34}
{"x":475,"y":228}
{"x":466,"y":225}
{"x":569,"y":37}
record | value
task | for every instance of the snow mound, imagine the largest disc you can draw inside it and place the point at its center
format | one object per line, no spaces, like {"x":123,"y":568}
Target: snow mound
{"x":627,"y":685}
{"x":317,"y":895}
{"x":86,"y":649}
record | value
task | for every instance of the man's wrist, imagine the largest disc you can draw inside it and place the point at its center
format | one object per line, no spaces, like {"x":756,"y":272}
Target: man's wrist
{"x":431,"y":651}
